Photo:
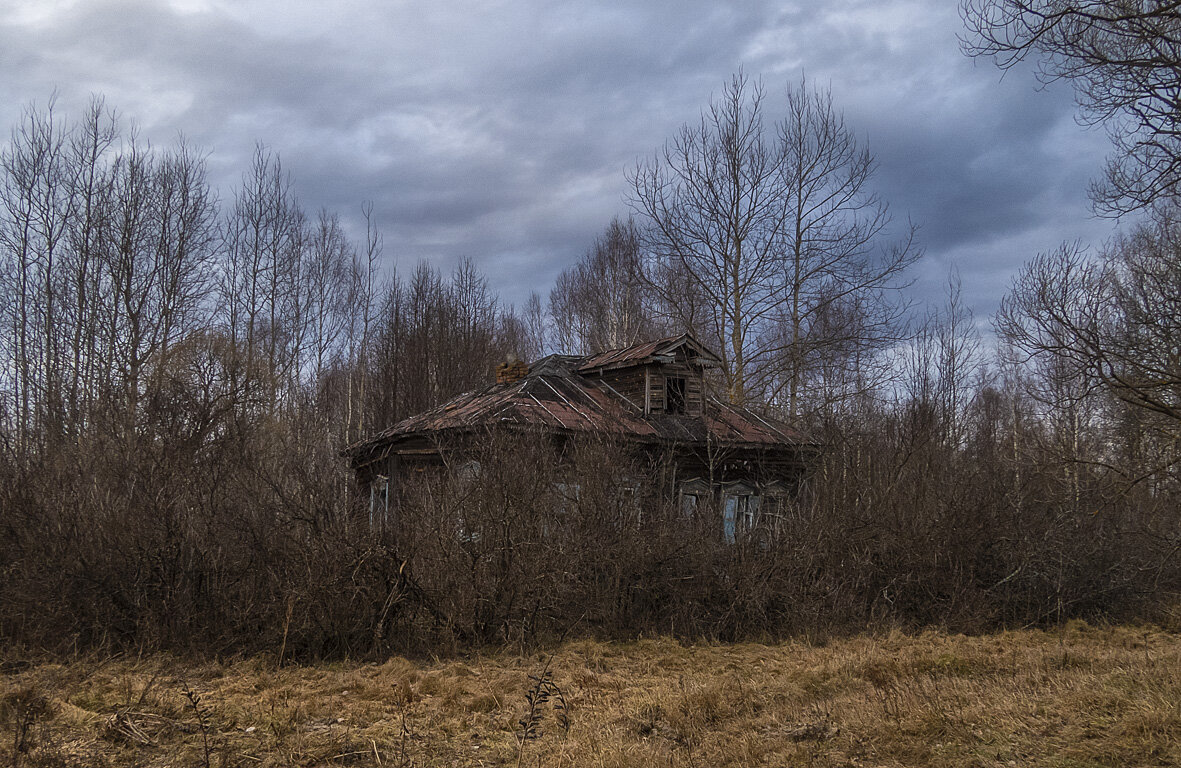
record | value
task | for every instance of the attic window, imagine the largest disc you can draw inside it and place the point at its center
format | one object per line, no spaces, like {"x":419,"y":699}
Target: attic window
{"x":674,"y":394}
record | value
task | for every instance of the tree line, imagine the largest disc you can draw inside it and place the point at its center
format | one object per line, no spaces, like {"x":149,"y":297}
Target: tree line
{"x":181,"y":372}
{"x":125,"y":275}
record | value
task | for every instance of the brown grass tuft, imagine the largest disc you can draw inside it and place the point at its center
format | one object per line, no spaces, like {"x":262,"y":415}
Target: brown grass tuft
{"x":1079,"y":696}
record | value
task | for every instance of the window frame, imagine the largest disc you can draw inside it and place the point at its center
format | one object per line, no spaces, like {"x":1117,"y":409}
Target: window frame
{"x":741,"y":503}
{"x":379,"y":502}
{"x":676,"y":394}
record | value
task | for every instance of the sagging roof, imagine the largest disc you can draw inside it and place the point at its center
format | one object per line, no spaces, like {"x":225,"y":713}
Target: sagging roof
{"x":557,"y":396}
{"x":660,"y":350}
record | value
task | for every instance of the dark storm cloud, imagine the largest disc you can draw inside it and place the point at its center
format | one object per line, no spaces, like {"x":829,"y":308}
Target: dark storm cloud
{"x":502,"y":130}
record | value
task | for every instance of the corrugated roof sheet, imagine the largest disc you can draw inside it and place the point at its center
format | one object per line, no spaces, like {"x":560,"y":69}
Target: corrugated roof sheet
{"x":638,"y":353}
{"x":554,"y":396}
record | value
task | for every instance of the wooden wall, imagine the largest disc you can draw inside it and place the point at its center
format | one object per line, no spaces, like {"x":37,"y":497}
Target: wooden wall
{"x":629,"y":382}
{"x":645,"y":385}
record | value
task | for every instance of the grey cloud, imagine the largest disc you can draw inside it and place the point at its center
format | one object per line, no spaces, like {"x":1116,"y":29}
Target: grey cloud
{"x":502,"y":130}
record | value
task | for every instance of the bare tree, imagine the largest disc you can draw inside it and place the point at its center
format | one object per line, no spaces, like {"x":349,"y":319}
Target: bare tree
{"x":156,"y":254}
{"x":261,"y":300}
{"x":1098,"y":337}
{"x":943,"y":365}
{"x":1110,"y":322}
{"x":602,"y":302}
{"x":37,"y":201}
{"x":328,"y":283}
{"x":534,"y":330}
{"x":715,"y":203}
{"x":91,"y":145}
{"x":770,"y":241}
{"x":959,"y":365}
{"x":840,"y":285}
{"x":106,"y":262}
{"x":437,"y":337}
{"x":1124,"y":60}
{"x":1139,"y":353}
{"x":362,"y":300}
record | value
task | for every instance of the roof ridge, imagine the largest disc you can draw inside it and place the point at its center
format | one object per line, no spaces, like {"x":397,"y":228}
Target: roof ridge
{"x":661,"y":340}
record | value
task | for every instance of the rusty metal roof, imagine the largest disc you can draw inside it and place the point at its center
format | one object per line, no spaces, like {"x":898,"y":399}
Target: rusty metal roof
{"x":647,"y":351}
{"x":555,"y":397}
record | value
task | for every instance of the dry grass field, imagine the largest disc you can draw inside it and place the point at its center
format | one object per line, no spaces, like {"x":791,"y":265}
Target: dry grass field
{"x":1078,"y":696}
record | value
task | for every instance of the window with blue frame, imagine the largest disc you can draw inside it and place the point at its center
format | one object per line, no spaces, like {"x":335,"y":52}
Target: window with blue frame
{"x":740,"y":511}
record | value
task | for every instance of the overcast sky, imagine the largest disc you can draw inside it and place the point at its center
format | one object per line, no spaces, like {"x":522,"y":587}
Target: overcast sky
{"x":502,"y":130}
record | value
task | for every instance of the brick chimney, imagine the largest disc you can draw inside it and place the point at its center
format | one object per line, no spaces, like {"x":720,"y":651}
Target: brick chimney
{"x":511,"y":370}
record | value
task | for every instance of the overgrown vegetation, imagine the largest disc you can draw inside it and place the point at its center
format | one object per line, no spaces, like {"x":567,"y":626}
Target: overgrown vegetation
{"x":1079,"y":695}
{"x":178,"y":381}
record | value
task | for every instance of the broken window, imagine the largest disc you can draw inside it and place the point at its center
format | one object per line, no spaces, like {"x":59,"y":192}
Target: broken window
{"x":468,"y":473}
{"x":774,"y":506}
{"x":629,"y":501}
{"x":740,"y":511}
{"x":694,"y":495}
{"x":379,"y":502}
{"x":674,"y":394}
{"x":568,"y":496}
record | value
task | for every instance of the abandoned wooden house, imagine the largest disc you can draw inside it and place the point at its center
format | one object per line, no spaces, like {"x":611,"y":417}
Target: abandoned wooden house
{"x":651,"y":397}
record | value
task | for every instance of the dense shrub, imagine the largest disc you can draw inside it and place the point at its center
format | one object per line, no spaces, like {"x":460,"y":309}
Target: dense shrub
{"x":254,"y":542}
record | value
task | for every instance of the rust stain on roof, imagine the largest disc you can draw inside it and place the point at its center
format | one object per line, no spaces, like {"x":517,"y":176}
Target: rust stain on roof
{"x":556,"y":396}
{"x":613,"y":357}
{"x":644,"y":351}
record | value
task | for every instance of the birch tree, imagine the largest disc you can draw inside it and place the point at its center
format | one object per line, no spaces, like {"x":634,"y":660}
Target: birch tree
{"x":714,"y":200}
{"x":769,"y":241}
{"x":603,"y":301}
{"x":261,"y":304}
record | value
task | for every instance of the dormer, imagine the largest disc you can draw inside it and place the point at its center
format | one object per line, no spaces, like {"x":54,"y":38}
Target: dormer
{"x":666,"y":376}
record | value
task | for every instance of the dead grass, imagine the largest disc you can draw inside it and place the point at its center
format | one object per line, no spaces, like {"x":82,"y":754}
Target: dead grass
{"x":1075,"y":697}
